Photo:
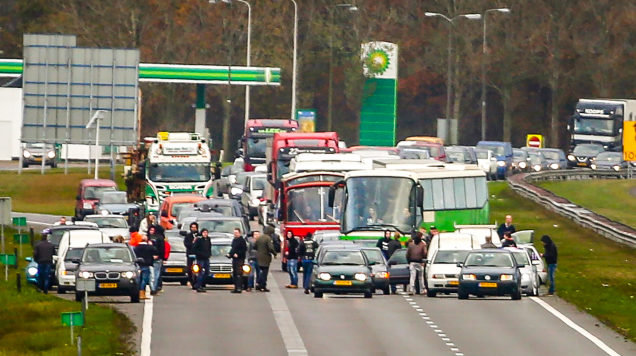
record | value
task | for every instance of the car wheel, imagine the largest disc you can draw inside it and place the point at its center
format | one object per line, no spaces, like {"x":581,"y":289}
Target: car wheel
{"x":431,"y":293}
{"x":462,"y":294}
{"x":386,"y":290}
{"x":516,"y":295}
{"x":61,"y":290}
{"x":317,"y":294}
{"x":368,"y":294}
{"x":79,"y":297}
{"x":183,"y":282}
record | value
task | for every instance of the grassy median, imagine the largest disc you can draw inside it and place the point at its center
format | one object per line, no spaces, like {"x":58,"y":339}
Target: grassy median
{"x":594,"y":273}
{"x":30,"y":322}
{"x":614,"y":199}
{"x":51,"y":193}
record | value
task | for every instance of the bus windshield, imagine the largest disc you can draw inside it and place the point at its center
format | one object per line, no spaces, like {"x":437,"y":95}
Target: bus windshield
{"x":256,"y":147}
{"x":179,"y":172}
{"x":310,"y":205}
{"x":379,"y":201}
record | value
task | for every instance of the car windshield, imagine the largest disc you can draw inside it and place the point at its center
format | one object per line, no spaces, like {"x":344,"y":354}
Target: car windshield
{"x":610,"y":156}
{"x":457,"y":156}
{"x":176,"y":208}
{"x":176,"y":245}
{"x":590,"y":150}
{"x":258,"y":183}
{"x":113,"y":198}
{"x":593,"y":126}
{"x":551,"y":155}
{"x":310,"y":204}
{"x":519,"y":154}
{"x":375,"y":202}
{"x":108,"y":221}
{"x":521,"y":257}
{"x":481,"y":154}
{"x":179,"y":172}
{"x":96,"y":192}
{"x":498,"y":150}
{"x":450,"y":257}
{"x":399,"y":257}
{"x":484,"y":259}
{"x":73,"y":254}
{"x":106,"y":255}
{"x":220,"y":250}
{"x":353,"y":258}
{"x":226,"y":226}
{"x":256,"y":147}
{"x":374,"y":256}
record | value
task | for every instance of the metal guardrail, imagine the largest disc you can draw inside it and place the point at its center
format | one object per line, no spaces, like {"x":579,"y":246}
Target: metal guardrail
{"x":522,"y":184}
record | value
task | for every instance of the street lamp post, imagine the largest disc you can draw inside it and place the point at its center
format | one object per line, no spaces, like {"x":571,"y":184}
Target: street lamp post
{"x":483,"y":72}
{"x":351,"y":8}
{"x":449,"y":85}
{"x":294,"y":63}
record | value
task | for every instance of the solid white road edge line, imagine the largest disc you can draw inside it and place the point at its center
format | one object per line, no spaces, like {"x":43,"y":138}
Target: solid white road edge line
{"x":288,"y":331}
{"x":146,"y":333}
{"x":576,"y":328}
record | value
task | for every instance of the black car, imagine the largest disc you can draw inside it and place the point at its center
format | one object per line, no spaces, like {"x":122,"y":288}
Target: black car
{"x":116,"y":202}
{"x":342,"y":271}
{"x":489,"y":272}
{"x":583,"y":154}
{"x":399,"y":269}
{"x":220,"y":265}
{"x":607,"y":161}
{"x":107,"y":269}
{"x":175,"y":268}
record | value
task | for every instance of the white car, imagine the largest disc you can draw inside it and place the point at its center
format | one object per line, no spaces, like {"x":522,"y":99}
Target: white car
{"x":442,"y":273}
{"x":487,"y":161}
{"x":71,"y":247}
{"x":252,"y":193}
{"x":111,"y":225}
{"x":530,"y":281}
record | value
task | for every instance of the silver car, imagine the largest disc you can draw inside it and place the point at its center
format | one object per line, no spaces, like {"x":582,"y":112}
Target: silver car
{"x":530,"y":281}
{"x":252,"y":193}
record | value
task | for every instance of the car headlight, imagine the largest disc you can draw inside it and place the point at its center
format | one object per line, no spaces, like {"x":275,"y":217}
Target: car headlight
{"x":506,"y":277}
{"x":360,"y":276}
{"x":382,"y":275}
{"x":554,"y":166}
{"x":469,"y":277}
{"x":26,"y":154}
{"x":105,"y":212}
{"x":196,"y":268}
{"x":129,"y":274}
{"x":501,"y":163}
{"x":593,"y":166}
{"x":523,"y":165}
{"x":51,"y":154}
{"x":324,"y":276}
{"x":617,"y":168}
{"x":536,"y":167}
{"x":571,"y":158}
{"x":236,"y":191}
{"x":438,"y":276}
{"x":32,"y":271}
{"x":86,"y":274}
{"x":247,"y":269}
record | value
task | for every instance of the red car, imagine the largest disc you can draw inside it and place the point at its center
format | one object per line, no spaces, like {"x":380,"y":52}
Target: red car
{"x":88,"y":195}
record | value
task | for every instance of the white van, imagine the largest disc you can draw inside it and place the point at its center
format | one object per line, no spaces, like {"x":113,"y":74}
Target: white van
{"x":71,"y":247}
{"x":445,"y":250}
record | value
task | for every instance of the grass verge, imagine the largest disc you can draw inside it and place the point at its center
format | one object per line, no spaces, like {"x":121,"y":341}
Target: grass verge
{"x":594,"y":273}
{"x":613,"y":199}
{"x":51,"y":193}
{"x":30,"y":321}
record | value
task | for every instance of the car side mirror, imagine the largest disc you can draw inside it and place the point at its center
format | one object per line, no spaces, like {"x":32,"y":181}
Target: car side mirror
{"x":460,"y":264}
{"x":521,"y":266}
{"x":392,"y":263}
{"x":77,"y":261}
{"x":139,"y":260}
{"x":182,"y":233}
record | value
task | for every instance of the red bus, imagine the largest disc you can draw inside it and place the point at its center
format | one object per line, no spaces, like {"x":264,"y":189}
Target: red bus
{"x":255,"y":137}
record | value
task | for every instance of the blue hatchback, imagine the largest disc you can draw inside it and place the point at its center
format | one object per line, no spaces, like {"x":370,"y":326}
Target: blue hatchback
{"x":503,"y":153}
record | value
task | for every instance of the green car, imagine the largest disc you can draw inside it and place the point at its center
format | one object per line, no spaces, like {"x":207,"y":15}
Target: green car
{"x":342,"y":271}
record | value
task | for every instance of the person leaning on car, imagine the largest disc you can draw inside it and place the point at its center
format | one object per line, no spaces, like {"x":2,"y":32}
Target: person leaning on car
{"x":43,"y":254}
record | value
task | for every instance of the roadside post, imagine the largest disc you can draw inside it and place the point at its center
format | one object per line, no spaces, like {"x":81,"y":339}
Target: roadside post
{"x":20,"y":238}
{"x":72,"y":319}
{"x":85,"y":285}
{"x":5,"y":216}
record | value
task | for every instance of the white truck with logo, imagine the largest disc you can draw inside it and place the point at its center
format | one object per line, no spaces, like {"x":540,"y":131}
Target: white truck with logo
{"x":177,"y":163}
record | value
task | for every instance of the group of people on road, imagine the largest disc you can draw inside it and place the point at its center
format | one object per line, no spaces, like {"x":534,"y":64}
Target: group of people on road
{"x":303,"y":251}
{"x":149,"y":244}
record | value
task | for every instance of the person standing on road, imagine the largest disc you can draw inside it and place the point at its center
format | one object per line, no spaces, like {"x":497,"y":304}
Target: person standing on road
{"x":43,"y":254}
{"x":252,"y":260}
{"x":415,"y":255}
{"x":202,"y":249}
{"x":508,"y":241}
{"x":237,"y":253}
{"x":383,"y":244}
{"x":150,"y":220}
{"x":188,"y":242}
{"x":291,"y":253}
{"x":157,"y":239}
{"x":394,"y":245}
{"x":307,"y":253}
{"x":506,"y":227}
{"x":550,"y":256}
{"x":264,"y":252}
{"x":488,"y":243}
{"x":135,"y":236}
{"x":433,"y":232}
{"x":148,"y":253}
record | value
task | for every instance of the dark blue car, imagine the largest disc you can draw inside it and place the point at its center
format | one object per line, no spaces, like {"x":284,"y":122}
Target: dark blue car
{"x":490,"y":272}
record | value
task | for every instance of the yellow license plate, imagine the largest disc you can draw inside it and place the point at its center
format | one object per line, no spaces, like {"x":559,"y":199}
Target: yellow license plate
{"x":581,"y":164}
{"x":108,"y":285}
{"x":488,"y":285}
{"x":222,"y":275}
{"x":342,"y":283}
{"x":453,"y":283}
{"x":174,"y":270}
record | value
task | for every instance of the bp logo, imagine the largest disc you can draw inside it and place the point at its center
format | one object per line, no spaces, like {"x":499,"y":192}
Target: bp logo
{"x":377,"y":61}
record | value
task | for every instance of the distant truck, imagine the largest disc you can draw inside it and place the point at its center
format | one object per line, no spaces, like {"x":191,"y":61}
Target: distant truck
{"x":254,"y":140}
{"x":601,"y":121}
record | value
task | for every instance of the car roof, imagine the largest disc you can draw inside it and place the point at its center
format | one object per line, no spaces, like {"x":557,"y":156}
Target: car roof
{"x":92,"y":226}
{"x":218,"y":217}
{"x":98,"y":183}
{"x":105,"y":216}
{"x":108,"y":245}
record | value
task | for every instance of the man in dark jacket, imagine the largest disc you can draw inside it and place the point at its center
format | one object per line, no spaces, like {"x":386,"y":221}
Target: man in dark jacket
{"x":202,"y":250}
{"x":415,"y":255}
{"x":508,"y":241}
{"x":307,"y":253}
{"x":148,"y":253}
{"x":488,"y":243}
{"x":237,"y":254}
{"x":158,"y":240}
{"x":251,"y":259}
{"x":394,"y":245}
{"x":506,"y":227}
{"x":383,"y":244}
{"x":550,"y":256}
{"x":188,"y":242}
{"x":43,"y":254}
{"x":264,"y":251}
{"x":291,"y":253}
